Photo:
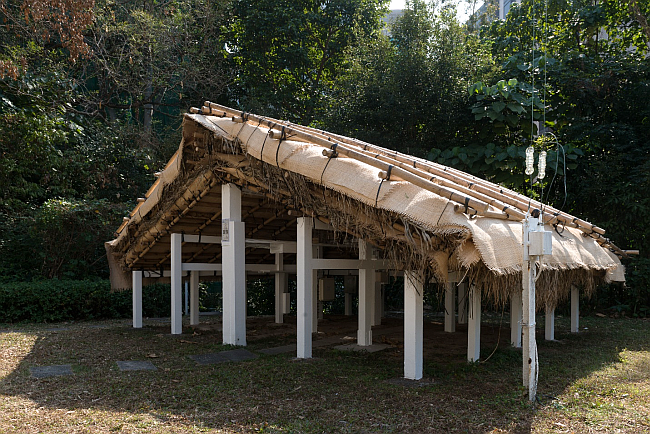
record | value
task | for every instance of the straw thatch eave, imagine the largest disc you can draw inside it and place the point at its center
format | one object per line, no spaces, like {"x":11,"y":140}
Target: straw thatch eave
{"x":285,"y":176}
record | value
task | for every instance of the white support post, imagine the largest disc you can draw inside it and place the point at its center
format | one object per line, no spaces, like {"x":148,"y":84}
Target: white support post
{"x":176,"y":284}
{"x":366,"y":298}
{"x":575,"y":309}
{"x":137,"y":299}
{"x":549,"y":324}
{"x":187,"y":299}
{"x":413,"y":324}
{"x":462,"y":303}
{"x":377,"y":313}
{"x":450,"y":303}
{"x":280,"y":288}
{"x":528,"y":278}
{"x":286,"y":300}
{"x":314,"y":301}
{"x":348,"y":304}
{"x":515,"y":318}
{"x":474,"y":325}
{"x":234,"y":266}
{"x":194,"y":297}
{"x":305,"y":292}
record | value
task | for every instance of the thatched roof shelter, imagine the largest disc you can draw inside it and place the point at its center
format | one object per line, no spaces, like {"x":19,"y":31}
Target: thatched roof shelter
{"x":417,"y":214}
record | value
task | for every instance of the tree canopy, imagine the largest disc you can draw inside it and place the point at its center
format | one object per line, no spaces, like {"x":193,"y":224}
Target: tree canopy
{"x":92,"y":93}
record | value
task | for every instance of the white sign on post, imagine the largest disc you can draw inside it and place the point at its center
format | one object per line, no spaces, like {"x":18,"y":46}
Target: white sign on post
{"x":225,"y":232}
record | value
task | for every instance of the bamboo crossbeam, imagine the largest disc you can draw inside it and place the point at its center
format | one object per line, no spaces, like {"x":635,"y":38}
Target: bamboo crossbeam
{"x":513,"y":199}
{"x":406,"y":175}
{"x":507,"y":196}
{"x":188,"y":207}
{"x":379,"y":153}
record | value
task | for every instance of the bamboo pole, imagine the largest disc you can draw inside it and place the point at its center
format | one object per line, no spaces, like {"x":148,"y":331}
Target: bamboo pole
{"x":450,"y":194}
{"x":510,"y":197}
{"x":507,"y":196}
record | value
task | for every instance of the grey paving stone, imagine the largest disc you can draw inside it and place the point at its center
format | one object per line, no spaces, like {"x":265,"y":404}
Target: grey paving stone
{"x":405,"y":382}
{"x":50,"y":371}
{"x":279,"y":350}
{"x":136,"y":365}
{"x":9,"y":331}
{"x":238,"y":355}
{"x":369,"y":348}
{"x":58,"y":329}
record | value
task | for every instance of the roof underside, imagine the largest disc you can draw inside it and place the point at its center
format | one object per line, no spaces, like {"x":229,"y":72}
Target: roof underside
{"x":420,"y":215}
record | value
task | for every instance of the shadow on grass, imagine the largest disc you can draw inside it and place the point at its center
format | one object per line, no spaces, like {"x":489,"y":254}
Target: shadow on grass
{"x":334,"y":392}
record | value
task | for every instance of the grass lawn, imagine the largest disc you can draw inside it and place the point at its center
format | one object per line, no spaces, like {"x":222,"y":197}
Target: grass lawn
{"x":595,"y":381}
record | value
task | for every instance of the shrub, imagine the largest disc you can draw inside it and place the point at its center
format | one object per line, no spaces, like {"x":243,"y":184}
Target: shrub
{"x":63,"y":300}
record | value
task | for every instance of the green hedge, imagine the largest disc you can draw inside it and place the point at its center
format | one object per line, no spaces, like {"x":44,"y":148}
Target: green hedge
{"x":63,"y":300}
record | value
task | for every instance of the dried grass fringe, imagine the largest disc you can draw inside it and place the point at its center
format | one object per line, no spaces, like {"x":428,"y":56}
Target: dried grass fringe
{"x":419,"y":249}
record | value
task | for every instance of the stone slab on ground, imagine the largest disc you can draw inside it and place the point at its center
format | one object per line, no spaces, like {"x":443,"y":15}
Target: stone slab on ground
{"x":238,"y":355}
{"x":57,"y":329}
{"x":368,"y":348}
{"x":50,"y":371}
{"x":405,"y":382}
{"x":136,"y":365}
{"x":279,"y":350}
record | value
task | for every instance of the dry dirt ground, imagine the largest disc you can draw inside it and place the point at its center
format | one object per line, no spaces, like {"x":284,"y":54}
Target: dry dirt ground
{"x":596,"y":381}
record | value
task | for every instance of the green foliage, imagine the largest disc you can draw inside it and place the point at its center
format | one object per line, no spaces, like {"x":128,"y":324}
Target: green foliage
{"x":151,"y":60}
{"x":64,"y":300}
{"x":409,"y":91}
{"x":288,"y":54}
{"x":597,"y":91}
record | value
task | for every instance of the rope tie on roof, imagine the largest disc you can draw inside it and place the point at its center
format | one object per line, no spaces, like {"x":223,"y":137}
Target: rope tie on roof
{"x":466,"y":205}
{"x":257,"y":128}
{"x":332,"y":155}
{"x":390,"y":168}
{"x":283,"y":136}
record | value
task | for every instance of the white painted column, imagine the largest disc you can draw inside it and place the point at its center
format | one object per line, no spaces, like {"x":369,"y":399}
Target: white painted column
{"x":234,"y":266}
{"x":194,"y":297}
{"x":450,"y":303}
{"x":529,"y":350}
{"x":187,"y":299}
{"x":348,"y":304}
{"x":286,"y":299}
{"x":575,"y":309}
{"x":305,"y":290}
{"x":549,"y":324}
{"x":474,"y":325}
{"x":376,"y":312}
{"x":349,"y":286}
{"x":462,"y":302}
{"x":176,"y":284}
{"x":314,"y":301}
{"x":366,"y":297}
{"x":515,"y":318}
{"x":413,"y":324}
{"x":280,"y":288}
{"x":316,"y":253}
{"x":137,"y":299}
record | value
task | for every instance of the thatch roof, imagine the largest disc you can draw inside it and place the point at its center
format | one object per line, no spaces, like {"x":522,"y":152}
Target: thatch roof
{"x":421,"y":215}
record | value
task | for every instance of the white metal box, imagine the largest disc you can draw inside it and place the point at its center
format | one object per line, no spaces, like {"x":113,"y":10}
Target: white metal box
{"x":540,"y":243}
